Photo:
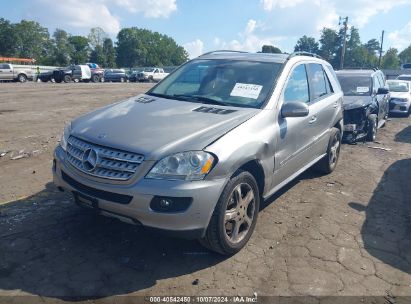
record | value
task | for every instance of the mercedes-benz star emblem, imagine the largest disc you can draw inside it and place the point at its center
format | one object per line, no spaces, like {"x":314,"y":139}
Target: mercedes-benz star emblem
{"x":90,"y":159}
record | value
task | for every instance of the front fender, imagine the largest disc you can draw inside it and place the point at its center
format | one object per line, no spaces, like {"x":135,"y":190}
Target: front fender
{"x":251,"y":141}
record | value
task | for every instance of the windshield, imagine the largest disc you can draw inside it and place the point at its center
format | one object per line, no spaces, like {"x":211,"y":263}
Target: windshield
{"x":355,"y":85}
{"x":225,"y":82}
{"x":398,"y":86}
{"x":404,"y":77}
{"x":149,"y":70}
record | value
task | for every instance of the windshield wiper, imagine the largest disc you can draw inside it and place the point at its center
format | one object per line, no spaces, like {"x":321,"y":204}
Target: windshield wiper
{"x":161,"y":95}
{"x":202,"y":99}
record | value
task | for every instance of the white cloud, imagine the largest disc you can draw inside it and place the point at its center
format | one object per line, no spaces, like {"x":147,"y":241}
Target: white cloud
{"x":400,"y":39}
{"x":83,"y":15}
{"x":248,"y":40}
{"x":150,"y":8}
{"x":76,"y":13}
{"x":269,"y":5}
{"x":194,"y":48}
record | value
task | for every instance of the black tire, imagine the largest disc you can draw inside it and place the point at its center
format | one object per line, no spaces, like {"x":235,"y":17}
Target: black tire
{"x":95,"y":78}
{"x":21,"y":78}
{"x":329,"y":162}
{"x":44,"y":80}
{"x":57,"y":80}
{"x":372,"y":127}
{"x":67,"y":78}
{"x":216,"y":237}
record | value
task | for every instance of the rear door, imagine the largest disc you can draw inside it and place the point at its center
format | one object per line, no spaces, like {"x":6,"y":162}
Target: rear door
{"x":323,"y":107}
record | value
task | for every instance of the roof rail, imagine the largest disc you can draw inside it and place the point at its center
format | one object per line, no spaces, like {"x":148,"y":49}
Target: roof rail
{"x":304,"y":54}
{"x":223,"y":51}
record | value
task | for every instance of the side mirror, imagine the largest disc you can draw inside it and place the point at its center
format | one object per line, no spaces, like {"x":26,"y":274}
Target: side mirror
{"x":295,"y":109}
{"x":382,"y":91}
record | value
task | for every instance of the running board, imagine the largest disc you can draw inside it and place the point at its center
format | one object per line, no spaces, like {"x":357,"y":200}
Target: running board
{"x":292,"y":177}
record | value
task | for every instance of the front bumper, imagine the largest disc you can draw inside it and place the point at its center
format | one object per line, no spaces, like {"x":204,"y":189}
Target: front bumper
{"x":399,"y":107}
{"x":355,"y":125}
{"x":191,"y":223}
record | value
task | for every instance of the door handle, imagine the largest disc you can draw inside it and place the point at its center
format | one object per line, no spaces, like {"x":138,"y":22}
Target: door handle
{"x":313,"y":119}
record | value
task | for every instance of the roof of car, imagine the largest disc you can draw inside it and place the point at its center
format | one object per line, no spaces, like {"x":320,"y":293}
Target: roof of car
{"x":359,"y":72}
{"x":232,"y":55}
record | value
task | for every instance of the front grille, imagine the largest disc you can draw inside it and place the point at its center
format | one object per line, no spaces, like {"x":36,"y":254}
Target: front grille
{"x":109,"y":163}
{"x":392,"y":106}
{"x":355,"y":116}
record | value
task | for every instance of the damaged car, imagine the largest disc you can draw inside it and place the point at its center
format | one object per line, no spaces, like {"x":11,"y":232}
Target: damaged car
{"x":196,"y":154}
{"x":366,"y":97}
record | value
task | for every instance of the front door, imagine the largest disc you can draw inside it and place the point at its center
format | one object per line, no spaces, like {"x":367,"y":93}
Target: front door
{"x":296,"y":133}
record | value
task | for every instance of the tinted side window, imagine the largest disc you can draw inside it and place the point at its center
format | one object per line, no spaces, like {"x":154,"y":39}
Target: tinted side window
{"x":297,"y":86}
{"x":328,"y":84}
{"x":381,"y":78}
{"x":376,"y":83}
{"x":318,"y":83}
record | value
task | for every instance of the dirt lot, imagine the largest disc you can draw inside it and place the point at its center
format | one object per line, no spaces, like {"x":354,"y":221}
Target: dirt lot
{"x":343,"y":234}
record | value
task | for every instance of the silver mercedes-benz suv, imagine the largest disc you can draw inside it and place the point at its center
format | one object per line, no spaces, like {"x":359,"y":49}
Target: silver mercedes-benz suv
{"x":197,"y":153}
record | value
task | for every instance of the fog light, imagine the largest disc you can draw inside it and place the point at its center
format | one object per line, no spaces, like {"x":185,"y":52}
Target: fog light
{"x":170,"y":204}
{"x":165,"y":203}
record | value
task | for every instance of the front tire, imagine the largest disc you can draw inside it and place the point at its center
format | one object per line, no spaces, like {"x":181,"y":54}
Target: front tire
{"x":330,"y":160}
{"x":372,"y":127}
{"x":67,"y":78}
{"x":235,"y":215}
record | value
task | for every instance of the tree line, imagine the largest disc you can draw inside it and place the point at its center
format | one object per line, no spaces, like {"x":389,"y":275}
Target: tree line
{"x":357,"y":55}
{"x":134,"y":46}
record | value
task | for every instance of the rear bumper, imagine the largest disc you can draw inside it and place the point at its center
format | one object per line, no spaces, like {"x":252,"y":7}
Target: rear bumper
{"x":113,"y":202}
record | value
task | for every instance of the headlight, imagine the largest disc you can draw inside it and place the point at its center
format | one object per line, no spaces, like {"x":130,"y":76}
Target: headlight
{"x":66,"y":134}
{"x":400,"y":99}
{"x":193,"y":165}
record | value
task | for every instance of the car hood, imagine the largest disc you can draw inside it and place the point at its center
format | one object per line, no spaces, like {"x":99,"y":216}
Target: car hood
{"x":353,"y":102}
{"x":156,"y":127}
{"x":400,"y":95}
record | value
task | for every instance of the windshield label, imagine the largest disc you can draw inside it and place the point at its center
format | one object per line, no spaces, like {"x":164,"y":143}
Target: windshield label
{"x":246,"y":90}
{"x":363,"y":89}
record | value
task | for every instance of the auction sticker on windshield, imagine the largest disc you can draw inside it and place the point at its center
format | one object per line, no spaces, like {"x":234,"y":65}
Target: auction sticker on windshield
{"x":246,"y":90}
{"x":363,"y":89}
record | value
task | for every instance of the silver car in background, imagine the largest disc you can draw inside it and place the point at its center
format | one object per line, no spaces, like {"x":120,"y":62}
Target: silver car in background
{"x":400,"y":101}
{"x":197,"y":153}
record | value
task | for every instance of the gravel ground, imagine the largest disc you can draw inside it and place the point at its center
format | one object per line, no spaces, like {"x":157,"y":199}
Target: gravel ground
{"x":347,"y":233}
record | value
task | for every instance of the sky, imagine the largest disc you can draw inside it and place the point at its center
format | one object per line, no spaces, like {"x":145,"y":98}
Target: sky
{"x":202,"y":26}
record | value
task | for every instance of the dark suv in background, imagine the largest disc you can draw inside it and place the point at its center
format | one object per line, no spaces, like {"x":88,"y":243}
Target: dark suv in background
{"x":366,"y":99}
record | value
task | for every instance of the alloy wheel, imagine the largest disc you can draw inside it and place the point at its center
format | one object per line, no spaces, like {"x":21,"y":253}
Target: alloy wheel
{"x":240,"y":213}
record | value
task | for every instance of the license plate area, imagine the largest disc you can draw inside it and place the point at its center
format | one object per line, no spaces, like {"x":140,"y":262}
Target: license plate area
{"x":350,"y":127}
{"x":85,"y":201}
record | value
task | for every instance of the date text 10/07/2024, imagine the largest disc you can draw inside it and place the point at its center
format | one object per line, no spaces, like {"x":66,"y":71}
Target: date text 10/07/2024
{"x":203,"y":299}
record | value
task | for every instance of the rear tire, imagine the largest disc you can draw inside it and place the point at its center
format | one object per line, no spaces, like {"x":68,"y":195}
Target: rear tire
{"x":372,"y":127}
{"x":22,"y":78}
{"x":330,"y":160}
{"x":95,"y":78}
{"x":234,"y":217}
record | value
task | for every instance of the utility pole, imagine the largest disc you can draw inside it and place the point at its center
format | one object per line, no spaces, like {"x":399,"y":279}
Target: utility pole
{"x":345,"y":23}
{"x":381,"y":48}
